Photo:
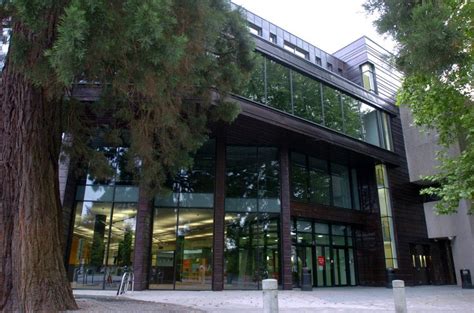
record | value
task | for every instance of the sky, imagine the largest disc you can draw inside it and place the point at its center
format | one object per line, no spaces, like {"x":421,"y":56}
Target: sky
{"x":326,"y":24}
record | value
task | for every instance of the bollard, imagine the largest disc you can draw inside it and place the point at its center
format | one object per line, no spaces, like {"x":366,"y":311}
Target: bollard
{"x":270,"y":295}
{"x":399,"y":296}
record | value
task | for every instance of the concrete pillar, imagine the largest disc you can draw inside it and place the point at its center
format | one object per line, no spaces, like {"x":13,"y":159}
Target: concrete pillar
{"x":270,"y":295}
{"x":399,"y":296}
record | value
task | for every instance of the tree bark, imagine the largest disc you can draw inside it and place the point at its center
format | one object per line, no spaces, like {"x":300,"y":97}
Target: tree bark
{"x":32,"y":273}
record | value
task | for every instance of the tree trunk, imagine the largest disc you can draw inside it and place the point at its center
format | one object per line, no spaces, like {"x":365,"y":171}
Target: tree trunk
{"x":32,"y":273}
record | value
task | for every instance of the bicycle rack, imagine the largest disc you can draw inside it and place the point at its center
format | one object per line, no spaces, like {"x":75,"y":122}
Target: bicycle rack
{"x":126,"y":284}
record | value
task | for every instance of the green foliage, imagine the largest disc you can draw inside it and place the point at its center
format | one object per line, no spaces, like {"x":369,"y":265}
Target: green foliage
{"x":435,"y":52}
{"x":165,"y":68}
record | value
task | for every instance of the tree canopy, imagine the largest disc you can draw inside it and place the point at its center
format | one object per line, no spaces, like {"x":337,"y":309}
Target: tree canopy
{"x":164,"y":69}
{"x":435,"y":52}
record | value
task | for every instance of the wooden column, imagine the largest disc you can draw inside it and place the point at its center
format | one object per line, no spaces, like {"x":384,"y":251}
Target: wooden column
{"x":141,"y":253}
{"x":285,"y":231}
{"x":219,"y":199}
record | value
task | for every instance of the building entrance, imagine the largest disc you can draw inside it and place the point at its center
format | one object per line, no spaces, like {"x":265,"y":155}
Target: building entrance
{"x":421,"y":262}
{"x":326,"y":250}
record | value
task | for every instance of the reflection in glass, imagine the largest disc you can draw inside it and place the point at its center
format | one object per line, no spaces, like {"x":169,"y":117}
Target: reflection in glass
{"x":352,"y":120}
{"x":319,"y":181}
{"x":278,"y":86}
{"x":255,"y":87}
{"x":333,"y":117}
{"x":251,"y":249}
{"x":252,"y":180}
{"x":89,"y":243}
{"x":370,"y":124}
{"x":299,"y":178}
{"x":307,"y":98}
{"x":121,"y":245}
{"x":101,"y":248}
{"x":341,"y":191}
{"x":163,"y":248}
{"x":194,"y":249}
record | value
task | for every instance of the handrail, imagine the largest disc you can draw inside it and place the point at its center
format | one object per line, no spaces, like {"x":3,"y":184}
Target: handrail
{"x":127,"y":283}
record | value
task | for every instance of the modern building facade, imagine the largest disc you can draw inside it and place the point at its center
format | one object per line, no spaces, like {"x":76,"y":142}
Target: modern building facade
{"x":312,"y":174}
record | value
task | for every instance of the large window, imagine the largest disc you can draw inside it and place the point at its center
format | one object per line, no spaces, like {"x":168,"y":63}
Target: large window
{"x":181,"y":254}
{"x":252,"y":208}
{"x":253,"y":183}
{"x":319,"y":181}
{"x":292,"y":92}
{"x":104,"y":226}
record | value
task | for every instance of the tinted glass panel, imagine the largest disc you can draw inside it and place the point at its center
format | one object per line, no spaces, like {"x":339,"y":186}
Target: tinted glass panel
{"x":332,"y":109}
{"x":370,"y":124}
{"x":255,"y":88}
{"x":194,"y":249}
{"x":319,"y":181}
{"x":340,"y":186}
{"x":307,"y":98}
{"x":89,"y":244}
{"x":278,"y":86}
{"x":352,"y":119}
{"x":163,"y":248}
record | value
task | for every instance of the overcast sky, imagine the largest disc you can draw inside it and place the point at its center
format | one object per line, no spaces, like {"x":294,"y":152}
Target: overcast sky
{"x":327,"y":24}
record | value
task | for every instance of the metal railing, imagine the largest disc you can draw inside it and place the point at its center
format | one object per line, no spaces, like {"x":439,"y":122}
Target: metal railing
{"x":127,"y":283}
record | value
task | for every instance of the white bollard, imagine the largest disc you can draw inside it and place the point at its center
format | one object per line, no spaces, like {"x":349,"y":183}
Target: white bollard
{"x":270,"y":295}
{"x":399,"y":296}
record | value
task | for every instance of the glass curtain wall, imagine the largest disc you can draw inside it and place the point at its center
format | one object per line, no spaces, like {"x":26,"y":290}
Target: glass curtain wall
{"x":252,"y":205}
{"x":292,"y":92}
{"x":103,"y":237}
{"x":320,"y":181}
{"x":181,"y":254}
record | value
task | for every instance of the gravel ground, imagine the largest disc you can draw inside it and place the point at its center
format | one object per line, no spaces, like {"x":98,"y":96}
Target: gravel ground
{"x":432,"y":299}
{"x":96,"y":304}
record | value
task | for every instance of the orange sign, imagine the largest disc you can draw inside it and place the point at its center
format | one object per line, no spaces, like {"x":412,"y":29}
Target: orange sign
{"x":321,"y":260}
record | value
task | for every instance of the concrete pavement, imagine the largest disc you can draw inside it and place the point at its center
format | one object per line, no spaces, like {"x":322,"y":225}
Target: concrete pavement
{"x":341,"y":299}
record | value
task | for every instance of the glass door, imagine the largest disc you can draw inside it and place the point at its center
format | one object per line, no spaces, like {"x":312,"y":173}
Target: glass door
{"x":305,"y":260}
{"x":340,"y":267}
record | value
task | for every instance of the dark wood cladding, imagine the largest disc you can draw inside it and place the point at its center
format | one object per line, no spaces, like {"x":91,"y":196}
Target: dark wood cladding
{"x":327,"y":213}
{"x":142,"y":248}
{"x":219,"y":212}
{"x":300,"y":126}
{"x":285,"y":231}
{"x":407,"y":208}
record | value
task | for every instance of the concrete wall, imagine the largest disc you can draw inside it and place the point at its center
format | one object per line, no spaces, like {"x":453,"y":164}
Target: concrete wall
{"x":421,"y":147}
{"x":459,"y":228}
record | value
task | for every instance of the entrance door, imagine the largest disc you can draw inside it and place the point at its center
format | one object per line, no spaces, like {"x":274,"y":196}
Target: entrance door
{"x":340,"y":267}
{"x":324,"y":266}
{"x":421,"y":262}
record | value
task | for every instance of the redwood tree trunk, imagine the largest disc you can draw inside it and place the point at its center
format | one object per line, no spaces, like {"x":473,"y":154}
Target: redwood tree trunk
{"x":32,"y":273}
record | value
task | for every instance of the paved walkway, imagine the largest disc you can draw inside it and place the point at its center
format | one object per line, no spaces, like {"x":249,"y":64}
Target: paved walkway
{"x":353,"y":299}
